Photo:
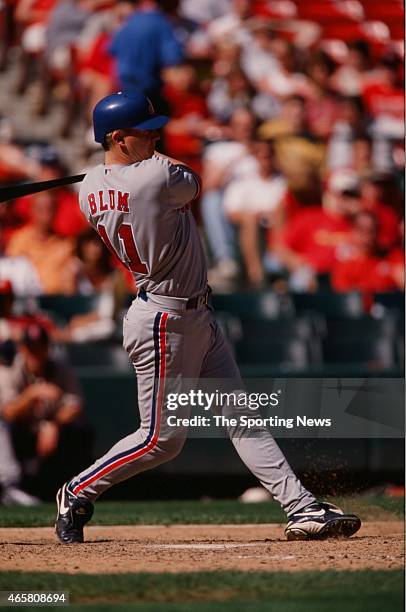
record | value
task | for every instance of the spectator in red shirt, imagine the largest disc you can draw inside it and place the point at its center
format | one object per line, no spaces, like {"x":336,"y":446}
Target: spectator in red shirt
{"x":360,"y":265}
{"x":68,"y":221}
{"x":384,"y":99}
{"x":307,"y":245}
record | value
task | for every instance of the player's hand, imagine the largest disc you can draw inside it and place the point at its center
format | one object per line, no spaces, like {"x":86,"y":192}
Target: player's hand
{"x":47,"y":438}
{"x":68,"y":413}
{"x":45,"y":392}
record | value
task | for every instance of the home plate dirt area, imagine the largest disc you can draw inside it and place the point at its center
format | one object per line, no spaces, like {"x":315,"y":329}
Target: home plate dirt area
{"x":378,"y":545}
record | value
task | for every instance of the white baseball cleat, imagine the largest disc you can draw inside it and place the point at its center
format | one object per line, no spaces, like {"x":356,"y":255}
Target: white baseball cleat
{"x":319,"y":521}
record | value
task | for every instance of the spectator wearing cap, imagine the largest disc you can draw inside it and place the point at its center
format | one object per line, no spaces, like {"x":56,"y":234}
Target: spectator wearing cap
{"x":50,"y":254}
{"x":360,"y":264}
{"x":41,"y":403}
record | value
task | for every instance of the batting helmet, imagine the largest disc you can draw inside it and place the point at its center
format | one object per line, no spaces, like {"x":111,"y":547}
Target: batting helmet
{"x":125,"y":110}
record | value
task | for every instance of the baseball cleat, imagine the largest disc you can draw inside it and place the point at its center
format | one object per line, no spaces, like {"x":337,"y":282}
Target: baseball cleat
{"x":73,"y":514}
{"x":319,"y":521}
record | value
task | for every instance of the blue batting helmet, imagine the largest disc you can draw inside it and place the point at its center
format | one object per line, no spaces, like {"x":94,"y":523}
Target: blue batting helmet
{"x":125,"y":110}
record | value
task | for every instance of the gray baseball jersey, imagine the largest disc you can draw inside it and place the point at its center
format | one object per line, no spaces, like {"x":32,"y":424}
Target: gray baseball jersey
{"x":142,"y":212}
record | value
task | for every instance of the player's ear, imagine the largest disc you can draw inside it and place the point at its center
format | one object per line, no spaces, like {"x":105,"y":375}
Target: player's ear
{"x":117,"y":137}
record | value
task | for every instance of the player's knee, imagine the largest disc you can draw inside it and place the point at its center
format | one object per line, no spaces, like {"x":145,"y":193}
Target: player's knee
{"x":170,"y":447}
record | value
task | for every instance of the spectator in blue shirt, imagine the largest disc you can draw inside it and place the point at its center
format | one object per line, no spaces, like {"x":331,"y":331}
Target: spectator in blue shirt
{"x":144,"y":45}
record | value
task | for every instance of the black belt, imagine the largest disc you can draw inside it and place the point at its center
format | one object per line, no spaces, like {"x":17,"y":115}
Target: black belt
{"x":199,"y":300}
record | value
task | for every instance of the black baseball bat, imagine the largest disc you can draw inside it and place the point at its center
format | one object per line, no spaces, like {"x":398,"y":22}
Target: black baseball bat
{"x":10,"y":192}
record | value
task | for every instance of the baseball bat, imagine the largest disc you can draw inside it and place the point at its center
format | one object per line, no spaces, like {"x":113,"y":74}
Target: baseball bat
{"x":10,"y":192}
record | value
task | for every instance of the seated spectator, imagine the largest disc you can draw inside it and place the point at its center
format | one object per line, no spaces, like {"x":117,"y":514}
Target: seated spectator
{"x":258,"y":58}
{"x":41,"y":406}
{"x":15,"y":165}
{"x":286,"y":79}
{"x":380,"y":197}
{"x":16,"y":315}
{"x":189,"y":115}
{"x":298,"y":156}
{"x":232,"y":25}
{"x":307,"y":245}
{"x":384,"y":99}
{"x":349,"y":133}
{"x":68,"y":221}
{"x":21,"y":273}
{"x":223,"y":162}
{"x":322,"y":105}
{"x":254,"y":201}
{"x":50,"y":254}
{"x":354,"y":72}
{"x":32,"y":17}
{"x":361,"y":266}
{"x":229,"y":93}
{"x":95,"y":274}
{"x":204,"y":11}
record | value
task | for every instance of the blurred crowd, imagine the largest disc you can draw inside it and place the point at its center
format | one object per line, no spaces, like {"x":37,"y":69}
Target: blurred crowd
{"x":291,"y":110}
{"x":298,"y":133}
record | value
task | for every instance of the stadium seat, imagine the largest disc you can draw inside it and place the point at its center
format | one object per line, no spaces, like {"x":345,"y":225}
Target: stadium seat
{"x":289,"y":354}
{"x":300,"y":327}
{"x":94,"y":355}
{"x":254,"y":305}
{"x":337,"y":305}
{"x":384,"y":11}
{"x":274,"y":9}
{"x":64,"y":307}
{"x":305,"y":329}
{"x":386,"y":303}
{"x":376,"y":354}
{"x":365,"y":327}
{"x":372,"y":31}
{"x":321,"y":11}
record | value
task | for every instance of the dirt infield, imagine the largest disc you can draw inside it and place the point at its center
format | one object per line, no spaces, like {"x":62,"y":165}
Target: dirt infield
{"x":183,"y":548}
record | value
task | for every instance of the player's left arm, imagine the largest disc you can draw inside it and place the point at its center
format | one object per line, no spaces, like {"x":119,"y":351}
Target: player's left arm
{"x":184,"y":183}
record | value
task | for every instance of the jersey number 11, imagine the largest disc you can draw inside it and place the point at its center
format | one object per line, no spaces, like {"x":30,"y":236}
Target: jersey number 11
{"x":126,"y":236}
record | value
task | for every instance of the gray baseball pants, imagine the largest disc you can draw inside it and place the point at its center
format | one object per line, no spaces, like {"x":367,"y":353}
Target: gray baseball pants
{"x":168,"y":344}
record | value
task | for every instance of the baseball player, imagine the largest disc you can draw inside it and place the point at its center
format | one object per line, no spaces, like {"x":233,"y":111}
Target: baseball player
{"x":139,"y":203}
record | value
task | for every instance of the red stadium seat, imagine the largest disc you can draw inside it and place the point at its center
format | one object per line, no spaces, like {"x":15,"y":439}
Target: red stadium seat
{"x":373,"y":31}
{"x":384,"y":10}
{"x":275,"y":9}
{"x":330,"y":11}
{"x":397,"y":29}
